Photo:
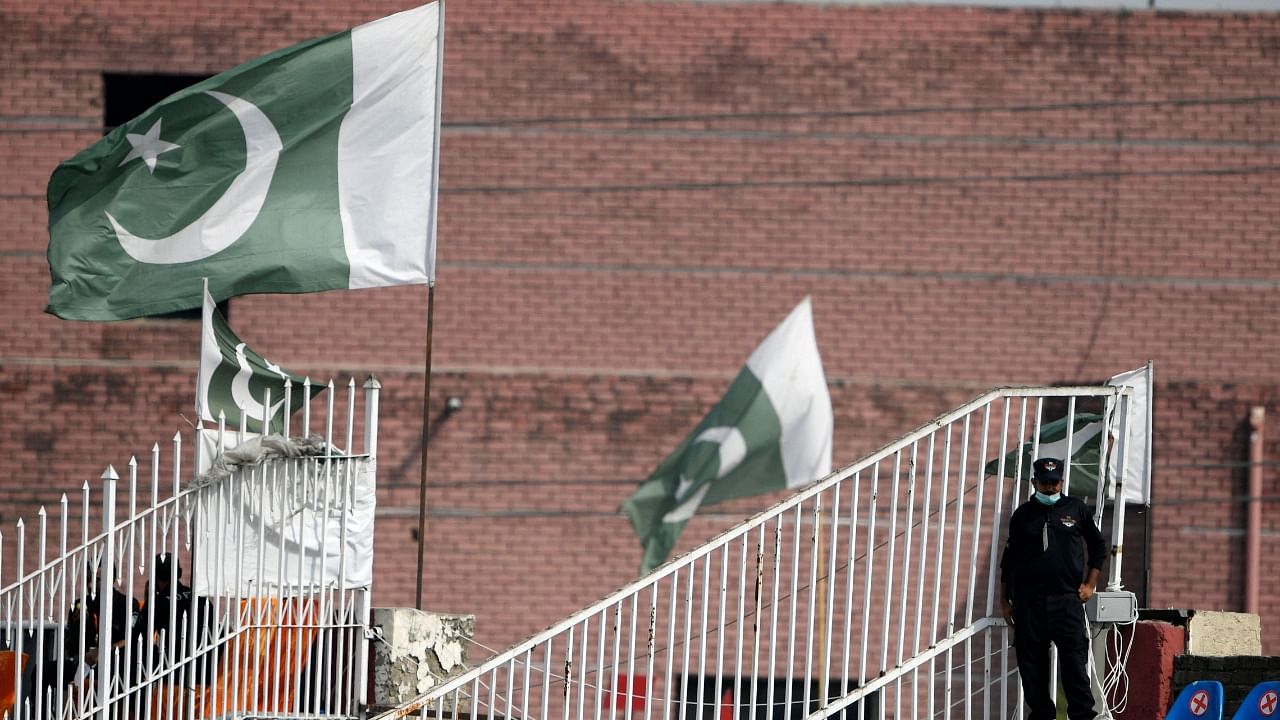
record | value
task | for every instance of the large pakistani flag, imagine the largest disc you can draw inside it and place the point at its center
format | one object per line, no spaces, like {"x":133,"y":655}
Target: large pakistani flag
{"x":233,"y":378}
{"x":1125,"y":452}
{"x":305,"y":170}
{"x":771,"y":430}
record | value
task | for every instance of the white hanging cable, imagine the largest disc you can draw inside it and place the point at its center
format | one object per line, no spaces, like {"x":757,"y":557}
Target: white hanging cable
{"x":1114,"y":684}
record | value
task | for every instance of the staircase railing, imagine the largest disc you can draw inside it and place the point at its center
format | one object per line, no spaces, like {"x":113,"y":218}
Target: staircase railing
{"x":870,"y":593}
{"x":97,"y":619}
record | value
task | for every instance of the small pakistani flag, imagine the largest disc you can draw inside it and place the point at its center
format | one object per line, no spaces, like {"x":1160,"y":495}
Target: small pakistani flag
{"x":1086,"y":442}
{"x":1082,"y":455}
{"x":771,"y":430}
{"x":308,"y":169}
{"x":234,"y":380}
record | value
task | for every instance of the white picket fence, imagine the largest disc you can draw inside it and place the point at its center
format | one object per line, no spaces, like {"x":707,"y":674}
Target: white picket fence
{"x":274,"y":640}
{"x":869,"y":594}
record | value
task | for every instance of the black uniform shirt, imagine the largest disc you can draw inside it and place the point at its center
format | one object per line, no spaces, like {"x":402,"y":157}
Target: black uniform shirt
{"x":1046,"y":551}
{"x":122,"y":619}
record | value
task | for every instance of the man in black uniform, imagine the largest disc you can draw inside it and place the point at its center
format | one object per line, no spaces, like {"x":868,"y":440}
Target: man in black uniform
{"x":172,"y":597}
{"x":1050,"y":568}
{"x":86,"y":619}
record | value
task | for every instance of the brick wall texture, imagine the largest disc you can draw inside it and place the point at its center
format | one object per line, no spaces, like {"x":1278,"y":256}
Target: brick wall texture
{"x":634,"y":192}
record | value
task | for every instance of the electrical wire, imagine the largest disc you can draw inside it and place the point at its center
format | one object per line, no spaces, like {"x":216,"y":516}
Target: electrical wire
{"x":834,"y":183}
{"x":871,"y":112}
{"x":1116,"y":679}
{"x":15,"y":123}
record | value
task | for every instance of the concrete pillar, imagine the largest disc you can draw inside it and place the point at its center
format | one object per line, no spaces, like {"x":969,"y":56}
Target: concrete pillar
{"x":417,"y":651}
{"x":1155,"y":645}
{"x":1224,"y":633}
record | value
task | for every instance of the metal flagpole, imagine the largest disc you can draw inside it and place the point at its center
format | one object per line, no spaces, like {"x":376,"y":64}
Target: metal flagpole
{"x":1146,"y":480}
{"x":426,"y":425}
{"x":431,"y":304}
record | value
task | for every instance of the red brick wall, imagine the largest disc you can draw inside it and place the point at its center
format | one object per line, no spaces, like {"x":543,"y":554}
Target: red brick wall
{"x":633,"y":193}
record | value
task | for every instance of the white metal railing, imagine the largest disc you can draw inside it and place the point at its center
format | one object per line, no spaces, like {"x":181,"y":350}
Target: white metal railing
{"x":277,"y":639}
{"x":869,"y":594}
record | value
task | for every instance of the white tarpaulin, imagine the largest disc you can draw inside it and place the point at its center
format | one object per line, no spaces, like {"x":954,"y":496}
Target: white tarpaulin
{"x":282,"y":526}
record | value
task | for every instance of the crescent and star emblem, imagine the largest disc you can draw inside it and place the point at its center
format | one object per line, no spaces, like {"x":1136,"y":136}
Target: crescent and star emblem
{"x":733,"y":449}
{"x":227,"y":220}
{"x":240,"y":393}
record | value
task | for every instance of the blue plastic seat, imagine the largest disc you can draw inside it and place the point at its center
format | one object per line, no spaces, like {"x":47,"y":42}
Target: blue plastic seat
{"x":1263,"y":702}
{"x":1201,"y":700}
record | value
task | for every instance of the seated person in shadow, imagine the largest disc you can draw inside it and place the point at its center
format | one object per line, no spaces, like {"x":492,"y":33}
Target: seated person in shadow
{"x":170,"y":605}
{"x":85,"y":616}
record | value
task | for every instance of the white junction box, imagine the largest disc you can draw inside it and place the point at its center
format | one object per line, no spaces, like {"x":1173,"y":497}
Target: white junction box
{"x":1111,"y":607}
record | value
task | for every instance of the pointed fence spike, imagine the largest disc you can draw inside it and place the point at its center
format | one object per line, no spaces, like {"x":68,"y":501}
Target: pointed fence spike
{"x":155,"y":448}
{"x":372,"y":383}
{"x":177,"y":437}
{"x":41,"y":512}
{"x":109,"y":474}
{"x":21,"y":523}
{"x":133,"y":463}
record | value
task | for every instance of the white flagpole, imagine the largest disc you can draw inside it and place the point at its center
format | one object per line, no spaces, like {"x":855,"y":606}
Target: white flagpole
{"x":206,"y":324}
{"x":1151,"y":396}
{"x":1146,"y":550}
{"x":431,"y":296}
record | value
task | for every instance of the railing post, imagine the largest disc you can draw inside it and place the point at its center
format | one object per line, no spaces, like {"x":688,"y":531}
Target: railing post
{"x":105,"y":585}
{"x":1118,"y":507}
{"x":371,"y":388}
{"x":15,"y":622}
{"x":363,"y":609}
{"x":39,"y":612}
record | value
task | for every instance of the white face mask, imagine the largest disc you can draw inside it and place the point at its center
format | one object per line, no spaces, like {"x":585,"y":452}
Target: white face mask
{"x":1047,"y":499}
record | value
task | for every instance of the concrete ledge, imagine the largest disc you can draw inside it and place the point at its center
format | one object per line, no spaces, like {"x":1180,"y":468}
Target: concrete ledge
{"x":1223,"y":634}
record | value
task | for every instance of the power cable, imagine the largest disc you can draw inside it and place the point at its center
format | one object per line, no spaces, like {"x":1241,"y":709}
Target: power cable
{"x":78,"y":124}
{"x":551,"y":120}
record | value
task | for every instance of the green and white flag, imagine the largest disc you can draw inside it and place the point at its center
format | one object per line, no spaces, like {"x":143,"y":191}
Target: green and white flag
{"x":234,"y":379}
{"x":1086,"y":438}
{"x":308,"y":169}
{"x":771,"y":430}
{"x":1135,"y":448}
{"x":1086,"y":441}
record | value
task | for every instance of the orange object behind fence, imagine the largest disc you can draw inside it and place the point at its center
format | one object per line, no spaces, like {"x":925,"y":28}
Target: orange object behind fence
{"x":261,"y":666}
{"x":7,"y":690}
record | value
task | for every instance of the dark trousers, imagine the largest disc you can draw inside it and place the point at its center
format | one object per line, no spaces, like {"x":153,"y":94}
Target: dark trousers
{"x":1059,"y":619}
